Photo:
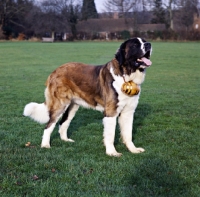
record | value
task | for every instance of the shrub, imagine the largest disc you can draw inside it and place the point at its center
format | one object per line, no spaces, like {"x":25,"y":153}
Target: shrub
{"x":21,"y":36}
{"x":125,"y":34}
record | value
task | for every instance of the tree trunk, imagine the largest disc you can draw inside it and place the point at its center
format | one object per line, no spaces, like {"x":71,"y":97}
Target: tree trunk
{"x":171,"y":21}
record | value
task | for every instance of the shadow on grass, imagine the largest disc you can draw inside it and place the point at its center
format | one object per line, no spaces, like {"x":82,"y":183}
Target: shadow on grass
{"x":142,"y":111}
{"x":88,"y":116}
{"x":82,"y":118}
{"x":155,"y":177}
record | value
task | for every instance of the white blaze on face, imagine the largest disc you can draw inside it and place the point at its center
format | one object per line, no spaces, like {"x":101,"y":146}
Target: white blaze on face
{"x":144,"y":59}
{"x":142,"y":45}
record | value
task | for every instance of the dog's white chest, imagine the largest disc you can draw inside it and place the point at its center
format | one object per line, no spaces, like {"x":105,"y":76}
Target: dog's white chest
{"x":124,"y":100}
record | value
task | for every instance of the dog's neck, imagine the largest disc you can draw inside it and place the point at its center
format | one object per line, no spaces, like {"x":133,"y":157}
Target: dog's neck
{"x":122,"y":70}
{"x":116,"y":67}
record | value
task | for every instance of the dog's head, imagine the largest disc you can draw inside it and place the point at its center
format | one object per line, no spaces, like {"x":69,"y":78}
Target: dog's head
{"x":134,"y":54}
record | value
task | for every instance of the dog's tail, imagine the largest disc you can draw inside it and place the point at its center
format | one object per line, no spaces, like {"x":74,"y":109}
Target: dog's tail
{"x":38,"y":112}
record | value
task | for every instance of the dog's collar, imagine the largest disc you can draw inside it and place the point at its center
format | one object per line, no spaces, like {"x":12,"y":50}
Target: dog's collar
{"x":141,"y":69}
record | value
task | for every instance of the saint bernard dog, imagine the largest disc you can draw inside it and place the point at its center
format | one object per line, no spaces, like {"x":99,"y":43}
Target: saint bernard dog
{"x":98,"y":87}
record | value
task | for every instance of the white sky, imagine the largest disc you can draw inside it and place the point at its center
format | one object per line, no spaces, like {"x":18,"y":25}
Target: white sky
{"x":99,"y":5}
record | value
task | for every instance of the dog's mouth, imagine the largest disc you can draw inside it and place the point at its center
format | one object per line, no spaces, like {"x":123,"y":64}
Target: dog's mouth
{"x":145,"y":60}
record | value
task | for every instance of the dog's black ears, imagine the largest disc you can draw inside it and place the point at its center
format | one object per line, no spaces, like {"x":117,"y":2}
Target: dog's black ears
{"x":120,"y":55}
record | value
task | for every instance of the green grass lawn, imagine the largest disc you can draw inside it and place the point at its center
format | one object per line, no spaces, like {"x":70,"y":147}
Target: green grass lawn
{"x":167,"y":123}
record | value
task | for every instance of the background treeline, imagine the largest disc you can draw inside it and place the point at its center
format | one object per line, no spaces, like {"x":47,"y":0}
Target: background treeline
{"x":24,"y":19}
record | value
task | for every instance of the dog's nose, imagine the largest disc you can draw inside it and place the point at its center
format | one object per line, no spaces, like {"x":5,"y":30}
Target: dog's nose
{"x":147,"y":46}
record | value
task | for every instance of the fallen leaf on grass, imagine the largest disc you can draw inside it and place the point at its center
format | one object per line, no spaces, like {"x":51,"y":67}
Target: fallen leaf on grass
{"x":19,"y":183}
{"x":27,"y":144}
{"x":35,"y":177}
{"x":32,"y":146}
{"x":90,"y":171}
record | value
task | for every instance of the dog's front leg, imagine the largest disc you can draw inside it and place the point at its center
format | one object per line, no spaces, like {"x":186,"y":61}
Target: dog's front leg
{"x":109,"y":136}
{"x":126,"y":123}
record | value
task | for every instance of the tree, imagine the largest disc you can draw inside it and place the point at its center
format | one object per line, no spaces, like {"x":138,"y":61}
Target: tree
{"x":135,"y":10}
{"x":187,"y":16}
{"x":168,"y":6}
{"x":43,"y":19}
{"x":196,"y":4}
{"x":187,"y":13}
{"x":12,"y":15}
{"x":89,"y":10}
{"x":72,"y":17}
{"x":182,"y":9}
{"x":127,"y":8}
{"x":158,"y":12}
{"x":187,"y":8}
{"x":170,"y":14}
{"x":122,"y":6}
{"x":56,"y":15}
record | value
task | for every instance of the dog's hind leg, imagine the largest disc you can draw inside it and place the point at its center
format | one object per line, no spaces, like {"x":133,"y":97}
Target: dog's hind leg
{"x":55,"y":113}
{"x":46,"y":135}
{"x":65,"y":121}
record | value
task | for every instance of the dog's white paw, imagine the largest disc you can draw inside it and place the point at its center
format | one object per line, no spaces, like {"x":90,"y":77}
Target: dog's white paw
{"x":68,"y":140}
{"x":45,"y":146}
{"x":111,"y":151}
{"x":131,"y":147}
{"x":137,"y":150}
{"x":114,"y":154}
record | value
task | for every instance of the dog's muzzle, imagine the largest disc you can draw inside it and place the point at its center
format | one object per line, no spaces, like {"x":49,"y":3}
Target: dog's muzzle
{"x":147,"y":46}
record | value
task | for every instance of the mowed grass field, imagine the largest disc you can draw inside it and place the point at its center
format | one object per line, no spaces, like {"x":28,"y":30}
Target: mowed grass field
{"x":166,"y":125}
